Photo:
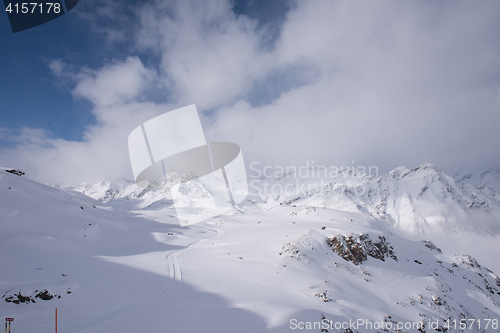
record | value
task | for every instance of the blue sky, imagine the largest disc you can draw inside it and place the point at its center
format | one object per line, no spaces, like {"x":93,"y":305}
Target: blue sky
{"x":388,"y":83}
{"x":29,"y":95}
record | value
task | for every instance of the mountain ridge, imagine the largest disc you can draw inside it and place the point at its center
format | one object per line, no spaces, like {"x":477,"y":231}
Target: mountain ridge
{"x":421,"y":199}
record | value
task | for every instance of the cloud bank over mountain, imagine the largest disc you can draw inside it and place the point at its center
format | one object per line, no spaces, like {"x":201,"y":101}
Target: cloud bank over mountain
{"x":383,"y":84}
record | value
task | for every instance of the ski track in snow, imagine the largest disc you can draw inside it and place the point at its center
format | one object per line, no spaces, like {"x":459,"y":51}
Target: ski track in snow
{"x":174,"y":267}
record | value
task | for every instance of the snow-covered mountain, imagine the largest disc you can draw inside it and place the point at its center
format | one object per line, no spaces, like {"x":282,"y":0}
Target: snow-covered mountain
{"x":129,"y":195}
{"x":486,"y":180}
{"x":423,"y":199}
{"x":321,"y":255}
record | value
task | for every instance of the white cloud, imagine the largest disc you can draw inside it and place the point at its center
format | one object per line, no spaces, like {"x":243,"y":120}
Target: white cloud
{"x":111,"y":20}
{"x":5,"y":133}
{"x":57,"y":67}
{"x":209,"y":55}
{"x":383,"y":83}
{"x":117,"y":83}
{"x":115,"y":90}
{"x":103,"y":153}
{"x":399,"y":84}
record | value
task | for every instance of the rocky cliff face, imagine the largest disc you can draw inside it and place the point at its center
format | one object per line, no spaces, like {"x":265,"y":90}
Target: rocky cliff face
{"x":357,"y":248}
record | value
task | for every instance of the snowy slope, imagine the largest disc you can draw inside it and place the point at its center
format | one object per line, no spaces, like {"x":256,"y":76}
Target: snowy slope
{"x":48,"y":242}
{"x":289,"y":271}
{"x":257,"y":270}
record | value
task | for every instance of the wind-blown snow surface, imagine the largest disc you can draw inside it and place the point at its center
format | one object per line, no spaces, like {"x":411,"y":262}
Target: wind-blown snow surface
{"x":129,"y":266}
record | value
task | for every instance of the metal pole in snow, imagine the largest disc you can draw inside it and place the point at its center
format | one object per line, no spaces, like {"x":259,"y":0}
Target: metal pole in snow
{"x":8,"y":320}
{"x":56,"y":320}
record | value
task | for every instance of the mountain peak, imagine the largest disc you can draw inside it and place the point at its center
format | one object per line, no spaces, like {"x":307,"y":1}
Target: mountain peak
{"x":428,"y":166}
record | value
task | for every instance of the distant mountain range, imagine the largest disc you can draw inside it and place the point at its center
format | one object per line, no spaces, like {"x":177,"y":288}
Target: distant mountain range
{"x":422,"y":199}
